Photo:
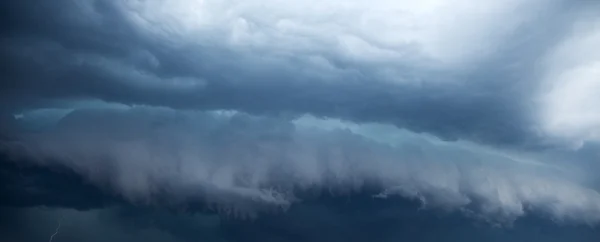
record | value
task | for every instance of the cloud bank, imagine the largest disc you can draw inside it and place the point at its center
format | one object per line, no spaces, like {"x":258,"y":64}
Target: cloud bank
{"x":475,"y":64}
{"x":484,"y":108}
{"x":243,"y":164}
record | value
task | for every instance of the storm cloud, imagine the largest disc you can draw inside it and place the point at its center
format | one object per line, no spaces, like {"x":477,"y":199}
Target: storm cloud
{"x":484,"y":110}
{"x":243,"y":164}
{"x":402,"y":64}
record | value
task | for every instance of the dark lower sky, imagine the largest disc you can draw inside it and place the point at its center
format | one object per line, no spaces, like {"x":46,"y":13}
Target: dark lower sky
{"x":63,"y":202}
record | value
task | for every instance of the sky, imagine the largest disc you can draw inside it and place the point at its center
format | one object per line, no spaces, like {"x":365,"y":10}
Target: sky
{"x":272,"y":120}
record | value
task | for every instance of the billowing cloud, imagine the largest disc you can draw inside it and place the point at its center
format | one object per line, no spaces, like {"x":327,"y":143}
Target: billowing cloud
{"x":405,"y":64}
{"x":483,"y":108}
{"x":569,"y":97}
{"x":244,"y":164}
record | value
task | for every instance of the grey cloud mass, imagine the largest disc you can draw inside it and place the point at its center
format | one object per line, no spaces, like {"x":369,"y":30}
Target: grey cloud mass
{"x":97,"y":50}
{"x":300,"y":120}
{"x":243,"y":164}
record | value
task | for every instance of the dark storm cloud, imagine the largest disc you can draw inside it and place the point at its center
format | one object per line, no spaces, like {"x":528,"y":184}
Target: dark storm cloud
{"x":331,"y":219}
{"x":357,"y":216}
{"x":23,"y":184}
{"x":245,"y":165}
{"x":485,"y":77}
{"x":55,"y":52}
{"x":359,"y":189}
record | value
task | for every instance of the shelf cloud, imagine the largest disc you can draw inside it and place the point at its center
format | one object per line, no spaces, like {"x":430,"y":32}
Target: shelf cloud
{"x":487,"y":109}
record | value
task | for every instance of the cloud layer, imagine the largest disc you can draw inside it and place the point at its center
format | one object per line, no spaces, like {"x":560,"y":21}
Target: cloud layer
{"x":245,"y":164}
{"x":484,"y":108}
{"x":335,"y":220}
{"x":474,"y":64}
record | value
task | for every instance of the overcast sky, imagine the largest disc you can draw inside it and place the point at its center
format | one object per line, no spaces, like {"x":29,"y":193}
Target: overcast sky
{"x":490,"y":109}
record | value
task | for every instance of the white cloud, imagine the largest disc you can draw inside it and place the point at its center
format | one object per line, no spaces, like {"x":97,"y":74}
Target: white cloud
{"x":570,"y":95}
{"x":453,"y":33}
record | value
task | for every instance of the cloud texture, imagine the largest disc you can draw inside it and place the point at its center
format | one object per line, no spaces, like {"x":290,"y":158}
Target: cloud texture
{"x":245,"y":164}
{"x":484,"y":108}
{"x":475,"y":64}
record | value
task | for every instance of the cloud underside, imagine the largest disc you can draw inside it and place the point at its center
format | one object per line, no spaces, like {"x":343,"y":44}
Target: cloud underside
{"x":330,"y":220}
{"x":246,"y":165}
{"x":456,"y":74}
{"x":483,"y":108}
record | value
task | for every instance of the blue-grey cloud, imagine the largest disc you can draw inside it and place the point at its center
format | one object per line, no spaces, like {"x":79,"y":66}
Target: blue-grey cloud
{"x":475,"y":82}
{"x":247,"y":165}
{"x":332,"y":219}
{"x":483,"y":109}
{"x":24,"y":184}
